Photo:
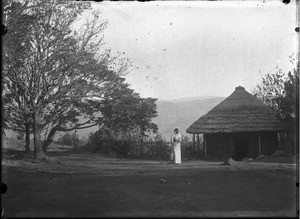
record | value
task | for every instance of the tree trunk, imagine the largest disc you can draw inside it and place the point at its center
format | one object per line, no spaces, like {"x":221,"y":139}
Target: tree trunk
{"x":27,"y":137}
{"x":38,"y":152}
{"x":49,"y":139}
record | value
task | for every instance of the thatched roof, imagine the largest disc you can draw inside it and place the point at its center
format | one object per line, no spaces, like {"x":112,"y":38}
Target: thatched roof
{"x":240,"y":112}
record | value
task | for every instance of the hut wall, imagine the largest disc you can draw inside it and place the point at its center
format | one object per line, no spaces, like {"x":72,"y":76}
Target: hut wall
{"x":254,"y":145}
{"x":218,"y":144}
{"x":269,"y":142}
{"x":244,"y":145}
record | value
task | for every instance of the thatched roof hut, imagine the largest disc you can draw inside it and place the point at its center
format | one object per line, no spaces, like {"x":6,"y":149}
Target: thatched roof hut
{"x":240,"y":126}
{"x":240,"y":112}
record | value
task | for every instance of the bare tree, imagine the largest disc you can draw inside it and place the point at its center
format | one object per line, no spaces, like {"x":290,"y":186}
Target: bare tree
{"x":15,"y":111}
{"x":62,"y":74}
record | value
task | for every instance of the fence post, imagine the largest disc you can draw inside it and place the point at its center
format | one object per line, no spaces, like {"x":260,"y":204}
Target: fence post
{"x":161,"y":148}
{"x":141,"y":147}
{"x":109,"y":146}
{"x":136,"y":148}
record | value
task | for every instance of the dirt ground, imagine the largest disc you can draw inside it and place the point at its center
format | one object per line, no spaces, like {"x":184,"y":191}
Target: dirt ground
{"x":75,"y":184}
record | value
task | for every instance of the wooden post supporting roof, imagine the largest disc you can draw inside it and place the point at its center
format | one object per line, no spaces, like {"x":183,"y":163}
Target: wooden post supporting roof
{"x":198,"y":144}
{"x":193,"y":141}
{"x":282,"y":135}
{"x":231,"y":146}
{"x":259,"y":145}
{"x":204,"y":143}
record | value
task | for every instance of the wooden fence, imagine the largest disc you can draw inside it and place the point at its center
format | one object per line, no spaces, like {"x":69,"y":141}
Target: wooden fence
{"x":149,"y":149}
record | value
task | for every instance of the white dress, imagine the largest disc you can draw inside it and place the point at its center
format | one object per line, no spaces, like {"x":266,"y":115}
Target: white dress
{"x":176,"y":139}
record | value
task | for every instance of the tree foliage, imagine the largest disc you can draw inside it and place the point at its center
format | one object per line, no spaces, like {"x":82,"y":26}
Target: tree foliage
{"x":66,"y":139}
{"x":126,"y":114}
{"x":281,"y":93}
{"x":16,"y":42}
{"x":53,"y":73}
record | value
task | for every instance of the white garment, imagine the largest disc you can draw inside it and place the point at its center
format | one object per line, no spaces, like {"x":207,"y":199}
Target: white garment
{"x":176,"y":139}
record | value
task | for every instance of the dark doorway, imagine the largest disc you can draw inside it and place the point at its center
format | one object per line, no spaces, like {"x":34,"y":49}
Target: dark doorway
{"x":241,"y":147}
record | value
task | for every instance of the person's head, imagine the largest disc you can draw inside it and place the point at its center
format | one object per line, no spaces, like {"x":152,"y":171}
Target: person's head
{"x":176,"y":130}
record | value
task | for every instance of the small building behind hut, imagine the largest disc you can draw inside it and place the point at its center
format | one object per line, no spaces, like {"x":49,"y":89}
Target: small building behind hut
{"x":240,"y":126}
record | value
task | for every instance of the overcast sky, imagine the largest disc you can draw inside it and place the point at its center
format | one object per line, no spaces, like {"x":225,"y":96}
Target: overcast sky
{"x":195,"y":48}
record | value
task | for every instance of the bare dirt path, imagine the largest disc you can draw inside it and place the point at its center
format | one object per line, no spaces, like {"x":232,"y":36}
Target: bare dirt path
{"x":89,"y":185}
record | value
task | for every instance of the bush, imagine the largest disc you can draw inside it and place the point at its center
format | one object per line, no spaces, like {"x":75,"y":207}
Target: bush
{"x":66,"y":139}
{"x":188,"y":152}
{"x":95,"y":142}
{"x":20,"y":136}
{"x":102,"y":142}
{"x":166,"y":151}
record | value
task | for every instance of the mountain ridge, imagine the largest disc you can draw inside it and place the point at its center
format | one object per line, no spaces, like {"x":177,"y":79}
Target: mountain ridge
{"x":185,"y":99}
{"x":182,"y":113}
{"x":179,"y":113}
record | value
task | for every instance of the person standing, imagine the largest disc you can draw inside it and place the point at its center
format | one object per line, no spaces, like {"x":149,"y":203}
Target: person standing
{"x":176,"y":145}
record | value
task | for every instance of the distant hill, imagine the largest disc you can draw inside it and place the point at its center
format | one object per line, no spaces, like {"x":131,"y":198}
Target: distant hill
{"x":179,"y":113}
{"x":185,"y":99}
{"x":182,"y":113}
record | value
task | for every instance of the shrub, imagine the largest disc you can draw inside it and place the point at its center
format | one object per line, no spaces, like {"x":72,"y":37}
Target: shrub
{"x":66,"y":139}
{"x":20,"y":136}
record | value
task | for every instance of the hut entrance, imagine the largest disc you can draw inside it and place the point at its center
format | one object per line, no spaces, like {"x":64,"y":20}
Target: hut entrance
{"x":242,"y":147}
